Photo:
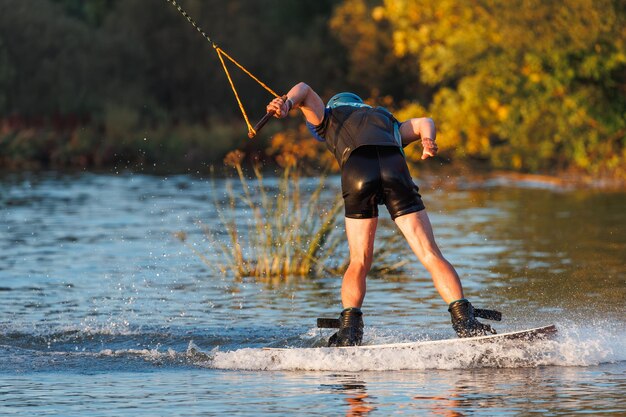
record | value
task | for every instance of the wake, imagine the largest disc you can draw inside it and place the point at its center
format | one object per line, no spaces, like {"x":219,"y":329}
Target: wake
{"x":85,"y":349}
{"x":572,"y":346}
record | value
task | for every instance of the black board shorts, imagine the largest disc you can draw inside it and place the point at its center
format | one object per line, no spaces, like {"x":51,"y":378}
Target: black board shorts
{"x":375,"y":175}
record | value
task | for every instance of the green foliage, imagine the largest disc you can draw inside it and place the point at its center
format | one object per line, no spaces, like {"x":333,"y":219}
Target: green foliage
{"x":191,"y":147}
{"x":92,"y":12}
{"x":523,"y":84}
{"x":75,"y":56}
{"x":112,"y":72}
{"x":7,"y":72}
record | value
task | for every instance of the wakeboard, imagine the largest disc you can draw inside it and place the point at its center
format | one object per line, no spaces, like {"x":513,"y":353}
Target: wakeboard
{"x":528,"y":335}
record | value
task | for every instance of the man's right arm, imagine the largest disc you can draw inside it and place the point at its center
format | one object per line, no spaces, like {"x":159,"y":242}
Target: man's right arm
{"x":304,"y":97}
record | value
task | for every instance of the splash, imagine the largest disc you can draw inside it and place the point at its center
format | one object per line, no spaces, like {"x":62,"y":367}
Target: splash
{"x":573,"y":346}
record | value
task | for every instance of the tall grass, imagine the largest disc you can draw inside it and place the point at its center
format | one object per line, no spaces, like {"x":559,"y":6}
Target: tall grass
{"x":272,"y":228}
{"x":287,"y":230}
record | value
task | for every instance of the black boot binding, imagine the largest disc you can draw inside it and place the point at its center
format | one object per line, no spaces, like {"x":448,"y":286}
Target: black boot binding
{"x":350,"y":328}
{"x":464,"y":320}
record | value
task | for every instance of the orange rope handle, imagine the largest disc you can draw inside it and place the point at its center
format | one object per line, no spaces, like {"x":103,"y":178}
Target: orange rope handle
{"x":232,"y":85}
{"x":220,"y":51}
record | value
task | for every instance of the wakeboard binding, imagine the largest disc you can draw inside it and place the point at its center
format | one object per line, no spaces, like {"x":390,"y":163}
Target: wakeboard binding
{"x":464,"y":322}
{"x":350,"y":325}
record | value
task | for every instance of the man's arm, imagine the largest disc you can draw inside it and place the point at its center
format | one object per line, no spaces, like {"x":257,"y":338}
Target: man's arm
{"x":420,"y":128}
{"x":304,"y":97}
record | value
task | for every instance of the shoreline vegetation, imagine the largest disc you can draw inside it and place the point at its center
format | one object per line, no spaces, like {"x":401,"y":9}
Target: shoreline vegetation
{"x":200,"y":149}
{"x":279,"y":229}
{"x":537,"y":88}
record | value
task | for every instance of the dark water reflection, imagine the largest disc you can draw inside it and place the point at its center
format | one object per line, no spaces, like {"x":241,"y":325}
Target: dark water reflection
{"x":101,"y":305}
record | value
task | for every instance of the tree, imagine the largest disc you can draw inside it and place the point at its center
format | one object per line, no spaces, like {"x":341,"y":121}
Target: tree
{"x":525,"y":84}
{"x":7,"y":72}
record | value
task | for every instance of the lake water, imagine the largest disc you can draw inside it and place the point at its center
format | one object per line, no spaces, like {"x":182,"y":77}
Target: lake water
{"x":103,"y":311}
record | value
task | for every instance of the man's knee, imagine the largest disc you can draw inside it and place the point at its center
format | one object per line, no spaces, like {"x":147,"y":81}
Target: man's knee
{"x":361,"y":264}
{"x":433,"y":259}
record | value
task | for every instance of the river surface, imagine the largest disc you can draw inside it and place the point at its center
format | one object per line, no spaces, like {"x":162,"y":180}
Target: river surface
{"x":105,"y":312}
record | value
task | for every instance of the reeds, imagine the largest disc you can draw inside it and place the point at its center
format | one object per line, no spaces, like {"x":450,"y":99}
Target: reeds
{"x":272,"y":228}
{"x":276,"y":230}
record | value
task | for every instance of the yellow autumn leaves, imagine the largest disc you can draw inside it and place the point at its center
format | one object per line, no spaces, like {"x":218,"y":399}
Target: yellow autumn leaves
{"x":525,"y":84}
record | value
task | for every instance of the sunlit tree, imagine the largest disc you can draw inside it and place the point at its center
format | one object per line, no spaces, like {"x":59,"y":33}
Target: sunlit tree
{"x":526,"y":84}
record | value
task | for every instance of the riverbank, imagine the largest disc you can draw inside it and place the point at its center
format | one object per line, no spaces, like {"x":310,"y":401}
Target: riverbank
{"x":448,"y":176}
{"x":198,"y":149}
{"x":467,"y":175}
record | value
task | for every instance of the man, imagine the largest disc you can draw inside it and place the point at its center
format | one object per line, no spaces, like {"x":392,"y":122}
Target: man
{"x":367,"y":142}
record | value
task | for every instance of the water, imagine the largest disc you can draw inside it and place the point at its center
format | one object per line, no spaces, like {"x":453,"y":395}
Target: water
{"x":104,"y":312}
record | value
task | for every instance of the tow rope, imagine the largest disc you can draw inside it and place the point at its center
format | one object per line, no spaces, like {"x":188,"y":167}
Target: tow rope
{"x":252,"y":131}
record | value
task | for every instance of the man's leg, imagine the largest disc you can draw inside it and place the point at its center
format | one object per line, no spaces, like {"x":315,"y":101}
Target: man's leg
{"x":360,"y":234}
{"x":418,"y":232}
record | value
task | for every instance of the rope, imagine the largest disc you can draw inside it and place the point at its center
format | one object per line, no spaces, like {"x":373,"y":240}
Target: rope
{"x":221,"y":53}
{"x":193,"y":23}
{"x":272,"y":92}
{"x":232,"y":85}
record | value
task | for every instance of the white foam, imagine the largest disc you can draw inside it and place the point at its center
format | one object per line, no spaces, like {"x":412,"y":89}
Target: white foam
{"x":145,"y":353}
{"x":573,"y":346}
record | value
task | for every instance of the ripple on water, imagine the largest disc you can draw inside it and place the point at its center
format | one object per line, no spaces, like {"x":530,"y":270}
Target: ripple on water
{"x":101,"y":302}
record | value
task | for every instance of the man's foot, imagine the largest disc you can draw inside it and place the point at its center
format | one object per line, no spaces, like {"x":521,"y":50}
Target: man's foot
{"x":464,"y":321}
{"x":350,"y":328}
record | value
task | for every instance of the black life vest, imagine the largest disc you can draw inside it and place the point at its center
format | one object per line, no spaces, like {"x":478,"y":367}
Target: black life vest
{"x":345,"y":128}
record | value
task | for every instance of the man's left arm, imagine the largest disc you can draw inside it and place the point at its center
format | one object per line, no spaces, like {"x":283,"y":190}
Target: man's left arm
{"x":420,"y":128}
